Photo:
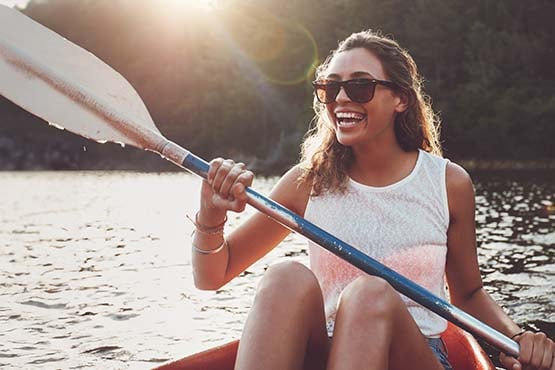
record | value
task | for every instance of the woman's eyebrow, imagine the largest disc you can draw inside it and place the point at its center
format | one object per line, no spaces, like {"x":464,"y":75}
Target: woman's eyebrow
{"x":362,"y":74}
{"x":335,"y":76}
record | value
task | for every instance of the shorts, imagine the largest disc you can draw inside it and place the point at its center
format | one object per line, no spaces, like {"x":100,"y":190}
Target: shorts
{"x":438,"y":348}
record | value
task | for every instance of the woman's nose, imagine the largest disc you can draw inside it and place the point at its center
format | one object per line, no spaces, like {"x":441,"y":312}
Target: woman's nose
{"x":342,"y":96}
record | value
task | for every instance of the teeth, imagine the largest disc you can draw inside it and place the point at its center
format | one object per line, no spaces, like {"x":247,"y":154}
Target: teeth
{"x":347,"y":115}
{"x":343,"y":123}
{"x":348,"y":119}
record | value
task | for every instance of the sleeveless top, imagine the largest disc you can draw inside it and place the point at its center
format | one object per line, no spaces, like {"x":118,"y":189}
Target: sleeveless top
{"x":403,"y":226}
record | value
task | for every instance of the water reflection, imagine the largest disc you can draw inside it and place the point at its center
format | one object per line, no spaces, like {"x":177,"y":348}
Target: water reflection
{"x":95,"y":269}
{"x":516,"y":235}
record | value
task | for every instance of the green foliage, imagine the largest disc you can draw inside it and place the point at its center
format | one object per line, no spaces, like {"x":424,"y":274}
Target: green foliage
{"x":234,"y":79}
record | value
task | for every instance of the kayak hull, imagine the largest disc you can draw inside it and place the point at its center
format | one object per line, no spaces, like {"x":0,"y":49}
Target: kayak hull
{"x":463,"y":351}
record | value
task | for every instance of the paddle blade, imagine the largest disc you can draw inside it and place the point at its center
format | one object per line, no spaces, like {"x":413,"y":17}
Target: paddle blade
{"x":68,"y":86}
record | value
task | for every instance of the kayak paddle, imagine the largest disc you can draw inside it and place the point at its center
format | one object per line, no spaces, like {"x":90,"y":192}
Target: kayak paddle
{"x":71,"y":88}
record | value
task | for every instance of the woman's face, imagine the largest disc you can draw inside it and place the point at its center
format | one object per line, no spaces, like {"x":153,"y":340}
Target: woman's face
{"x":362,"y":123}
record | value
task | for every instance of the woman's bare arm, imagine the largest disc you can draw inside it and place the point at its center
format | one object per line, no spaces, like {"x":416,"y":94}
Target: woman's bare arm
{"x":465,"y":283}
{"x":251,"y":240}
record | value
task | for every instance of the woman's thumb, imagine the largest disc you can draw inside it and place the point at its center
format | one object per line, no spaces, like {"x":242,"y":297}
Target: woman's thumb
{"x":510,"y":363}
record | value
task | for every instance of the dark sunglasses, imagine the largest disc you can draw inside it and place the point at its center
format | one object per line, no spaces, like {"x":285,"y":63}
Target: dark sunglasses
{"x":360,"y":90}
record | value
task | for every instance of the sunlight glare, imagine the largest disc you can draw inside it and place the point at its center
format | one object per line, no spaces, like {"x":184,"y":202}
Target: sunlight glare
{"x":181,"y":6}
{"x":12,"y":3}
{"x":174,"y":14}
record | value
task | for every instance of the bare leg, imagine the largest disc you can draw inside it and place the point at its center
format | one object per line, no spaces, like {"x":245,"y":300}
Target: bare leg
{"x":286,"y":325}
{"x":374,"y":330}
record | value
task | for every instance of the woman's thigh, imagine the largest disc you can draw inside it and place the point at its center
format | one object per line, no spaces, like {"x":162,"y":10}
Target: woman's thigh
{"x":286,"y":326}
{"x":374,"y":330}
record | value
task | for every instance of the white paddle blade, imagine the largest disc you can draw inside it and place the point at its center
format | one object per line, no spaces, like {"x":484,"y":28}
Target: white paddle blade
{"x":68,"y":86}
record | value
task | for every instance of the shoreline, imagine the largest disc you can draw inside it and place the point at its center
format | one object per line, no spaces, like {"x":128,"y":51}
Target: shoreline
{"x":257,"y":165}
{"x":507,"y":165}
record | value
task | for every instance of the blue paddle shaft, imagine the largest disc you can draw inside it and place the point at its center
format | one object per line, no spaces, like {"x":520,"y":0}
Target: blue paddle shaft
{"x":367,"y":264}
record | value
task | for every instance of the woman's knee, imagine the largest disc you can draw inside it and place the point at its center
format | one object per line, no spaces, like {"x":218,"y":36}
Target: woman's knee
{"x":289,"y":281}
{"x":370,"y":295}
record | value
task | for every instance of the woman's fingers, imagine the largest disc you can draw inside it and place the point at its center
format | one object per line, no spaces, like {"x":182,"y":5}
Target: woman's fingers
{"x":552,"y":355}
{"x":537,"y":352}
{"x":538,"y":349}
{"x":228,"y":181}
{"x":238,"y":191}
{"x":231,"y":178}
{"x":544,"y":358}
{"x":542,"y":352}
{"x":509,"y":362}
{"x":214,"y":166}
{"x":548,"y":362}
{"x":526,"y":343}
{"x":223,"y":170}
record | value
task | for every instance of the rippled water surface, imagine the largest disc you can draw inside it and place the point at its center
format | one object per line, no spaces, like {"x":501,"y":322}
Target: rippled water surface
{"x":95,"y":267}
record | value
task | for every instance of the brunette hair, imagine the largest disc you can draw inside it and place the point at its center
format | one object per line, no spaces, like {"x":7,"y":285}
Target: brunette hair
{"x":324,"y":161}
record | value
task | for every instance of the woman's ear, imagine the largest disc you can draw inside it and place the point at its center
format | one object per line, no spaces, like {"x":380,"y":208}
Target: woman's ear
{"x":403,"y":102}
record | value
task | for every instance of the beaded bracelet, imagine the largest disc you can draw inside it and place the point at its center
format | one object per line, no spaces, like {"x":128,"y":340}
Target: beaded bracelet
{"x":210,"y":251}
{"x":214,"y":230}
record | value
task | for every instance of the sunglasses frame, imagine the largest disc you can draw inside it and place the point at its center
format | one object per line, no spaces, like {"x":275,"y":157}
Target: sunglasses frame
{"x":372,"y":82}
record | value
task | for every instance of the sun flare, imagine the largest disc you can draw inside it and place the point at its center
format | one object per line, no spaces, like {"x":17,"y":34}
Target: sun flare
{"x":181,"y":6}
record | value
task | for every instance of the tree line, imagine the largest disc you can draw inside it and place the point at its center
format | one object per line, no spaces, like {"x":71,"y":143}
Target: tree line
{"x":232,"y":77}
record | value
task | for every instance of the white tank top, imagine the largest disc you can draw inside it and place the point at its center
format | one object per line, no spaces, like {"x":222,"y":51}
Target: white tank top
{"x":403,"y":225}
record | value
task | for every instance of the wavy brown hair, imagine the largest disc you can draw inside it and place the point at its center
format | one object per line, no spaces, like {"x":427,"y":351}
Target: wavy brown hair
{"x":324,"y":161}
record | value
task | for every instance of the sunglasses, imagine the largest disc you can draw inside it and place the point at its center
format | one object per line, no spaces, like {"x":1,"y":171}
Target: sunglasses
{"x":360,"y":90}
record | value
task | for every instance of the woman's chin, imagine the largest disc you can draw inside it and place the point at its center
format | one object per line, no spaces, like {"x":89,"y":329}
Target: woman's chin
{"x":346,"y":140}
{"x":348,"y":137}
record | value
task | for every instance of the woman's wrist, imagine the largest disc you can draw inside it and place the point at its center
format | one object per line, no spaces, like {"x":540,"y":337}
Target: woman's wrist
{"x":209,"y":218}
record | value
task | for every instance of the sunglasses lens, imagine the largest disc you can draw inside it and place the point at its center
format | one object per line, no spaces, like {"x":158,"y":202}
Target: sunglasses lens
{"x":360,"y":91}
{"x":327,"y":91}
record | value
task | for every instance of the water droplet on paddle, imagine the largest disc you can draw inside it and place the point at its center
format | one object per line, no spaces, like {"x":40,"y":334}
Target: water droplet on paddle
{"x":56,"y":125}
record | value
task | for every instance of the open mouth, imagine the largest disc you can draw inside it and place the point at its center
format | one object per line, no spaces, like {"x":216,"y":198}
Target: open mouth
{"x":348,"y":119}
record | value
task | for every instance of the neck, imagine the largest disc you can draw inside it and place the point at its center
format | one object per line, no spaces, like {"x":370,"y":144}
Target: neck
{"x":381,"y":164}
{"x":375,"y":158}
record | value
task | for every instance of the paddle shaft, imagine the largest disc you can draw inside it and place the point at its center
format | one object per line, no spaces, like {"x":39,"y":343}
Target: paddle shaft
{"x":364,"y":262}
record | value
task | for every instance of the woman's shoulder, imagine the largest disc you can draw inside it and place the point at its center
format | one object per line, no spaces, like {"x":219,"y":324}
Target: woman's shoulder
{"x":460,"y":190}
{"x":456,"y":176}
{"x":293,"y":190}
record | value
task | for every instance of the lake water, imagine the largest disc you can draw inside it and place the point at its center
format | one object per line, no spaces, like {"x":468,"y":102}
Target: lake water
{"x":95,"y":267}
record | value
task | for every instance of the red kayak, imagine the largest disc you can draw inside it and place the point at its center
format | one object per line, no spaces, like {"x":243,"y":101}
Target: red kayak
{"x":463,"y":350}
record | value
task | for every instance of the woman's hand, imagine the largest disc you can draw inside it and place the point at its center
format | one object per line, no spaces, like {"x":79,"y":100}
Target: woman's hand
{"x":537,"y":352}
{"x":225,"y":188}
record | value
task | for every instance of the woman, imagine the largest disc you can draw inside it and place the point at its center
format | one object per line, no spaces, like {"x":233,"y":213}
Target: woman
{"x":371,"y":174}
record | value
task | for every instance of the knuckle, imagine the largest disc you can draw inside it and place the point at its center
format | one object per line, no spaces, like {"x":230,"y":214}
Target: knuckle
{"x":244,"y":175}
{"x":236,"y":170}
{"x":540,"y":336}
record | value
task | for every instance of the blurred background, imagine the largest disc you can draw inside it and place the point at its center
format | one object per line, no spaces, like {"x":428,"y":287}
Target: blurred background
{"x":232,"y":77}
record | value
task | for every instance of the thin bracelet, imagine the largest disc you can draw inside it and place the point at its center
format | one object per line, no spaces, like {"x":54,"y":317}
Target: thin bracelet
{"x":214,"y":230}
{"x":518,"y":334}
{"x":210,"y":251}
